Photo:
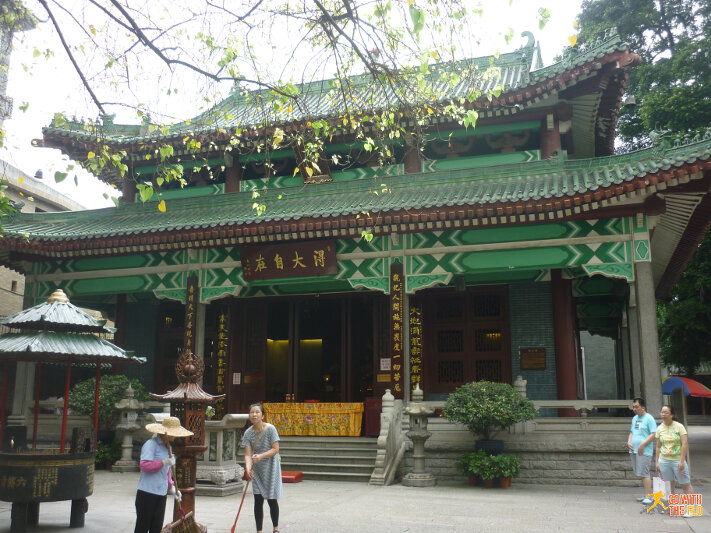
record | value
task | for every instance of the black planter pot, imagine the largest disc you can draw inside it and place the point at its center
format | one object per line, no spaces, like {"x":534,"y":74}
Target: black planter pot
{"x":492,"y":447}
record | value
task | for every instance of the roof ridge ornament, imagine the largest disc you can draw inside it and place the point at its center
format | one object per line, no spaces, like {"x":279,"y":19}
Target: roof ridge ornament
{"x":58,"y":296}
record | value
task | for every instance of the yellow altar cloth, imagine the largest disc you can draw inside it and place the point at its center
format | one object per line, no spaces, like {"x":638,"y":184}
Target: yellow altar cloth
{"x":317,"y":419}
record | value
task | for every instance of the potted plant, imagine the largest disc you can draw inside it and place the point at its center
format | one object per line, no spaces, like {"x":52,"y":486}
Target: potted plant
{"x":508,"y":466}
{"x":111,"y":390}
{"x":107,"y":453}
{"x":488,"y":469}
{"x":471,"y":464}
{"x":485,"y":407}
{"x":209,"y":412}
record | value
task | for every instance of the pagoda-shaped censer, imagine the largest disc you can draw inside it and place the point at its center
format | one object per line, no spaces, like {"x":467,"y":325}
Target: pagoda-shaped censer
{"x":187,"y":403}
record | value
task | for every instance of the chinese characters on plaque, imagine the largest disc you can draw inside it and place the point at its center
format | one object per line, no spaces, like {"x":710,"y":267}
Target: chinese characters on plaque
{"x":223,"y":336}
{"x":290,"y":260}
{"x":415,"y":345}
{"x":190,"y":315}
{"x":397,"y":294}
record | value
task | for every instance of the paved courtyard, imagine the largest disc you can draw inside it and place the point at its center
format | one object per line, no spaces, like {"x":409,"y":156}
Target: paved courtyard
{"x":341,"y":507}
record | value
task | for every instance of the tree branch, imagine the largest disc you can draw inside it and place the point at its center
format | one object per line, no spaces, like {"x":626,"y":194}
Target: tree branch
{"x":71,"y":56}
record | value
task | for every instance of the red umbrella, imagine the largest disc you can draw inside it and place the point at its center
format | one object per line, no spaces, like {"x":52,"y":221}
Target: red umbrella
{"x":691,"y":387}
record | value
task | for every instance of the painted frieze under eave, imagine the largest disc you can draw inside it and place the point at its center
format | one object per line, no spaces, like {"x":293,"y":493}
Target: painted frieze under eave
{"x":486,"y":255}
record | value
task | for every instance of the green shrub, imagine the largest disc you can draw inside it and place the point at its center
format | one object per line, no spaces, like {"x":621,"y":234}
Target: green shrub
{"x":485,"y":407}
{"x":487,"y":466}
{"x":508,"y":465}
{"x":110,"y":451}
{"x":111,"y":390}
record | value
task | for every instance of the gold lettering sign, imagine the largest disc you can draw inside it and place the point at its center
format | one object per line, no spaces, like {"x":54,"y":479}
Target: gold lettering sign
{"x":289,"y":260}
{"x":533,"y":358}
{"x":397,"y":349}
{"x":223,"y":335}
{"x":415,"y":344}
{"x":190,"y":310}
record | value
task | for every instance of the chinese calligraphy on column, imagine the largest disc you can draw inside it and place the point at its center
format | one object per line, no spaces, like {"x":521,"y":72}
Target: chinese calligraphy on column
{"x":415,"y":345}
{"x":223,"y":343}
{"x":397,"y":322}
{"x":190,"y":314}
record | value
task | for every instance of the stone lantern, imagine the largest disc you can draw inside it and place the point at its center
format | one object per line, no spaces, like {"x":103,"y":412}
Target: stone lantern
{"x":128,"y":424}
{"x":187,"y":403}
{"x":418,"y":434}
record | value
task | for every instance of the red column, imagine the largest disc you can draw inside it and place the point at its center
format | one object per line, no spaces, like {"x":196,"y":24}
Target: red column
{"x":38,"y":381}
{"x":564,"y":334}
{"x":66,"y":405}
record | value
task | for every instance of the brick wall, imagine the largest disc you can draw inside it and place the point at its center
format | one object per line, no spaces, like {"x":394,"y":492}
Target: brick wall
{"x":531,"y":319}
{"x":141,"y":324}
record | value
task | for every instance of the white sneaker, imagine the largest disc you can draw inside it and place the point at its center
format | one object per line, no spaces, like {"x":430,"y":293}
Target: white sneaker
{"x":646,"y":501}
{"x":641,"y":499}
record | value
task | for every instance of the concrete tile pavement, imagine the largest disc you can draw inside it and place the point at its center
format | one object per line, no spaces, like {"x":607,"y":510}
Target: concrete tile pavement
{"x":342,"y":507}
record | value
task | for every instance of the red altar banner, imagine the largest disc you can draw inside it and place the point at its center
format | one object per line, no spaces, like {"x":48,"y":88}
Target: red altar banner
{"x":289,"y":260}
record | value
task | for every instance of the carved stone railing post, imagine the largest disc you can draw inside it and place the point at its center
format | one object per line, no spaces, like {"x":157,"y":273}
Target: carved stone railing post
{"x":390,"y":442}
{"x":520,"y":385}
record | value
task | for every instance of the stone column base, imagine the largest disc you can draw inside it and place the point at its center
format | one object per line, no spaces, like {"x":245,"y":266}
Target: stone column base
{"x":125,"y":466}
{"x":424,"y":479}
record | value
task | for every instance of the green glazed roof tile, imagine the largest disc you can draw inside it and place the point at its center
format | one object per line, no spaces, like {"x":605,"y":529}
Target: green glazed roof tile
{"x":523,"y":182}
{"x":52,"y":346}
{"x":239,"y":110}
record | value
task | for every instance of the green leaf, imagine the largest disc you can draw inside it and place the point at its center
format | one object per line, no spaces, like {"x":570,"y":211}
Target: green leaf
{"x":60,"y":176}
{"x":544,"y":15}
{"x":418,"y":19}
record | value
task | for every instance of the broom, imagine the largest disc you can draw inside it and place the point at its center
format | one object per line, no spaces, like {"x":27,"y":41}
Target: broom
{"x":186,"y":523}
{"x":240,"y":507}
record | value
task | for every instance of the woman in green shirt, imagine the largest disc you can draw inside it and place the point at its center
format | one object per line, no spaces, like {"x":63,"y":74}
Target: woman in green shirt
{"x":672,"y":451}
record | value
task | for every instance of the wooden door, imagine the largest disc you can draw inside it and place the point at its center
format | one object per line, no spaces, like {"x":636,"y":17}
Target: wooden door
{"x":250,"y":352}
{"x":466,"y":338}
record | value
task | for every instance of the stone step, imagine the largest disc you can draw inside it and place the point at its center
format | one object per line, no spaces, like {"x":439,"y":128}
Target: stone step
{"x":366,"y":453}
{"x":315,"y":475}
{"x":327,"y":467}
{"x":330,"y":459}
{"x":331,"y":442}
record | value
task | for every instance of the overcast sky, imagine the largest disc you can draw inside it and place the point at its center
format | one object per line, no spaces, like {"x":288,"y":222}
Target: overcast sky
{"x":53,"y":86}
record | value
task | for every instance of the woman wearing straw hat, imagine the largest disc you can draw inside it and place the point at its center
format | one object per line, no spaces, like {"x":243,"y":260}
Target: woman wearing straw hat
{"x":156,"y":482}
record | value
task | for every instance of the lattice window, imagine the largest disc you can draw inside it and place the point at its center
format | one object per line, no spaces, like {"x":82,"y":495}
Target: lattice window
{"x":450,"y":341}
{"x":488,"y":340}
{"x":450,"y":371}
{"x":449,"y":308}
{"x":487,"y":305}
{"x":488,"y":370}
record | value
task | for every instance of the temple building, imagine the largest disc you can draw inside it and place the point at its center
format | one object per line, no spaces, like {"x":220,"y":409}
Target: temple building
{"x":481,"y":256}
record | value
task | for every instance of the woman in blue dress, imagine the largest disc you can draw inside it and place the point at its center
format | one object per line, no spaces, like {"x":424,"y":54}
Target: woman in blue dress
{"x":261,"y":450}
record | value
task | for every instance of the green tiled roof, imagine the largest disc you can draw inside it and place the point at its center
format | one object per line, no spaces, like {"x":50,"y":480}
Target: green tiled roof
{"x":540,"y":182}
{"x":56,"y":316}
{"x":51,"y":346}
{"x":239,"y":110}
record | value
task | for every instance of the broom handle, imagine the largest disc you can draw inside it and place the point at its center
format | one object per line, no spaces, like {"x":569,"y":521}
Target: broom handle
{"x":175,"y":479}
{"x":240,"y":506}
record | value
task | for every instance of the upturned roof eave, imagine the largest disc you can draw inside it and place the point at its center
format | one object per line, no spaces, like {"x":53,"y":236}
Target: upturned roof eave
{"x":74,"y":143}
